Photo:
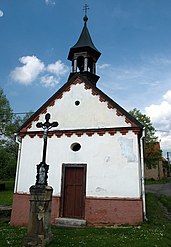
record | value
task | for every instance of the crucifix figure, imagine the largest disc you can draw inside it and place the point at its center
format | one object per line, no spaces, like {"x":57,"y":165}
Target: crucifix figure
{"x":85,"y":8}
{"x":42,"y":168}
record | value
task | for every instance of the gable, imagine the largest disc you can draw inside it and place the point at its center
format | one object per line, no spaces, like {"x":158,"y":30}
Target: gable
{"x":80,"y":105}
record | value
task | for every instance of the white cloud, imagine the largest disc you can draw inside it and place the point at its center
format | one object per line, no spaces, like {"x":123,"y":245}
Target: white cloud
{"x":1,"y":13}
{"x":160,"y":116}
{"x":49,"y":81}
{"x":58,"y":68}
{"x":33,"y":68}
{"x":104,"y":66}
{"x":50,"y":2}
{"x":167,"y":96}
{"x":26,"y":74}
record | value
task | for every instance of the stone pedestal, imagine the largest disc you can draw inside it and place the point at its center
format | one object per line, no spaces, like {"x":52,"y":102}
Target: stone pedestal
{"x":39,"y":227}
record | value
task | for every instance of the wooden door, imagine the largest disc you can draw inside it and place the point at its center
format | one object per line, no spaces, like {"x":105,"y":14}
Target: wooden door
{"x":74,"y":191}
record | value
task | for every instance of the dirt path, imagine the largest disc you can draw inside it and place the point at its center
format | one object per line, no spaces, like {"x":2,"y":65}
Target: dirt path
{"x":159,"y":189}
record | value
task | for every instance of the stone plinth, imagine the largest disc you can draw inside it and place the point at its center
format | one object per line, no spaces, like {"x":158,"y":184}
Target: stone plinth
{"x":39,"y":227}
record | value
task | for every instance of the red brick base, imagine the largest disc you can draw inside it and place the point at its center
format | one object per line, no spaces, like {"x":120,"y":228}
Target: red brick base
{"x":98,"y":211}
{"x":21,"y":206}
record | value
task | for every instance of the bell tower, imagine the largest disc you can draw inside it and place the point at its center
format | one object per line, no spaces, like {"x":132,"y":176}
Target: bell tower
{"x":84,"y":55}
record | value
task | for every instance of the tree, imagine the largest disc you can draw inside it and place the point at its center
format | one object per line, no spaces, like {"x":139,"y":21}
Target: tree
{"x":152,"y":151}
{"x":5,"y":116}
{"x":145,"y":120}
{"x":9,"y":124}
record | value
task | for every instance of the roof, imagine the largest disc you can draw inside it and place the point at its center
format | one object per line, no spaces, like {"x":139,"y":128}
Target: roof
{"x":97,"y":91}
{"x":83,"y":42}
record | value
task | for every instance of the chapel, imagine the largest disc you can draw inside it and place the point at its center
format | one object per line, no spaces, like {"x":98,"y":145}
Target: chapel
{"x":95,"y":154}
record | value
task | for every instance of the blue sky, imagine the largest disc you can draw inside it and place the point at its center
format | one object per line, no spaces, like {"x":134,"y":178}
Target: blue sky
{"x":133,"y":36}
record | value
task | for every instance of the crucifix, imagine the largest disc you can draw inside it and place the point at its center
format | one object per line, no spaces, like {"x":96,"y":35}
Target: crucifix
{"x":42,"y":168}
{"x":85,"y":8}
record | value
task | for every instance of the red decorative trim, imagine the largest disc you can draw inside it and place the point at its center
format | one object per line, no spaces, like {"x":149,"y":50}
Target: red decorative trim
{"x":44,"y":111}
{"x":24,"y":130}
{"x":58,"y":134}
{"x":59,"y":96}
{"x":50,"y":134}
{"x":124,"y":132}
{"x":78,"y":132}
{"x":32,"y":135}
{"x":101,"y":133}
{"x":52,"y":103}
{"x":94,"y":92}
{"x":68,"y":134}
{"x":110,"y":106}
{"x":129,"y":121}
{"x":136,"y":132}
{"x":22,"y":135}
{"x":89,"y":133}
{"x":112,"y":132}
{"x":102,"y":99}
{"x":86,"y":86}
{"x":67,"y":89}
{"x":118,"y":113}
{"x":77,"y":81}
{"x":40,"y":134}
{"x":36,"y":118}
{"x":29,"y":126}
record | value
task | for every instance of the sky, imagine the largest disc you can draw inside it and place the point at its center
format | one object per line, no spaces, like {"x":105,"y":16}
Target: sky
{"x":133,"y":36}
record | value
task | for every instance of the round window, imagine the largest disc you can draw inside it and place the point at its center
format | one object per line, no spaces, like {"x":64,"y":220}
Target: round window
{"x":77,"y":102}
{"x":75,"y":147}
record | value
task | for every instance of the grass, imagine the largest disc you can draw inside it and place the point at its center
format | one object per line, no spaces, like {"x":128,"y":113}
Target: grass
{"x":161,"y":181}
{"x":7,"y":195}
{"x":166,"y":201}
{"x":154,"y":233}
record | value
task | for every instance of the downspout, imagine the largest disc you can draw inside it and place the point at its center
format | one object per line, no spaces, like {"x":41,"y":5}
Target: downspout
{"x":142,"y":173}
{"x":19,"y":142}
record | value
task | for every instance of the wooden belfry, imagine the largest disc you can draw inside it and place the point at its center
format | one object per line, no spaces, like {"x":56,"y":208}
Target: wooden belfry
{"x":39,"y":227}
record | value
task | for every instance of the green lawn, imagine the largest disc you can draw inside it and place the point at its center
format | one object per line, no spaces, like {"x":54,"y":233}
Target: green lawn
{"x":154,"y":233}
{"x":166,"y":201}
{"x":7,"y":195}
{"x":161,"y":181}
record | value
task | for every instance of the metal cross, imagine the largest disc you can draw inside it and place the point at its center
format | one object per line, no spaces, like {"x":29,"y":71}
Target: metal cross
{"x":85,"y":8}
{"x":42,"y":168}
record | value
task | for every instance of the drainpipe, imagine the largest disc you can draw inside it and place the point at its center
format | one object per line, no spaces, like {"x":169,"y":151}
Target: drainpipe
{"x":19,"y":142}
{"x":142,"y":174}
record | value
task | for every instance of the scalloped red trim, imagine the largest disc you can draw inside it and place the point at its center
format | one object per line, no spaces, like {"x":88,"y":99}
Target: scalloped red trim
{"x":79,"y":133}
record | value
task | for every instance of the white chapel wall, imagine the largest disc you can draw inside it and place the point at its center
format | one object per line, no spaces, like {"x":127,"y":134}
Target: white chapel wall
{"x":112,"y":163}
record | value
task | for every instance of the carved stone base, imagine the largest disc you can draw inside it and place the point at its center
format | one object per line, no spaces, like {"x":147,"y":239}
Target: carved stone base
{"x":39,"y":227}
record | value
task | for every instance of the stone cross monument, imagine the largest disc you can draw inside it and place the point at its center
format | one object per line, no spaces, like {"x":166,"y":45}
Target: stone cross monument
{"x":39,"y":226}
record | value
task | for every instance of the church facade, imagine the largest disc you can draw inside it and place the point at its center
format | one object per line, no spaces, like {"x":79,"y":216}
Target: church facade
{"x":95,"y":154}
